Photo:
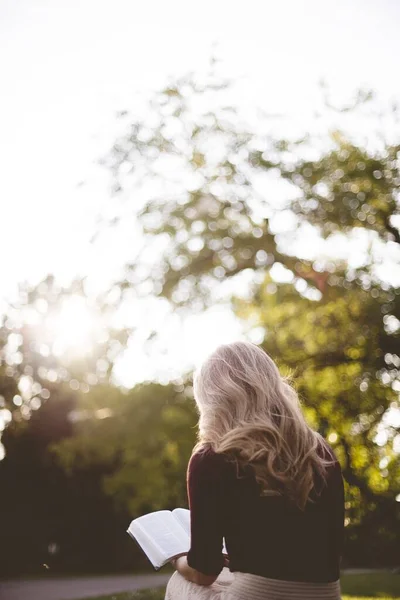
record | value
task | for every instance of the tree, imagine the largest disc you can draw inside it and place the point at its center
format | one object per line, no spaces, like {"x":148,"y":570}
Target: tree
{"x":57,"y":520}
{"x":51,"y":335}
{"x":335,"y":322}
{"x":144,"y":437}
{"x":52,"y":518}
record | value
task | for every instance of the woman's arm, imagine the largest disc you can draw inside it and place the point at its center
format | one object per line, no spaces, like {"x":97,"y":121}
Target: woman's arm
{"x":205,"y":481}
{"x":181,"y":565}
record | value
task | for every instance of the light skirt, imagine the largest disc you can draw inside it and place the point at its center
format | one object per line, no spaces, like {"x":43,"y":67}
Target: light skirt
{"x":245,"y":586}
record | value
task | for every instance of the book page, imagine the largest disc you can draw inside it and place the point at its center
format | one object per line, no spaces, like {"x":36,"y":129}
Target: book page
{"x":152,"y":550}
{"x":182,"y":515}
{"x":160,"y":536}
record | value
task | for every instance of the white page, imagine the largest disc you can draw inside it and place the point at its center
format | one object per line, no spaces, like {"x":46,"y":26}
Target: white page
{"x":152,"y":550}
{"x":182,"y":515}
{"x":160,"y":536}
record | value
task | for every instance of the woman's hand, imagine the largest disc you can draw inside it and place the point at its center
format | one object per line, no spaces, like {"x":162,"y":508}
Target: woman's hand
{"x":174,"y":561}
{"x":181,"y":565}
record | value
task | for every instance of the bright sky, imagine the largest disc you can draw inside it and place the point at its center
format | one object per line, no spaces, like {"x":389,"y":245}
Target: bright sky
{"x":67,"y":66}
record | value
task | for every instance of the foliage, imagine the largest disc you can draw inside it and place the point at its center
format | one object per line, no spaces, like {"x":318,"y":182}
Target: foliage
{"x":145,"y":437}
{"x":333,"y":320}
{"x":52,"y":518}
{"x":229,"y":209}
{"x":377,"y":585}
{"x":35,"y":355}
{"x":57,"y":522}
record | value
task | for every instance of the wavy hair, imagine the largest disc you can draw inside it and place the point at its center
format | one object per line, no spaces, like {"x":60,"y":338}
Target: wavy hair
{"x":252,"y":413}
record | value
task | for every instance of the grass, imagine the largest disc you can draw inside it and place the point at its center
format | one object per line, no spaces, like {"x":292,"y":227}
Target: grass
{"x":385,"y":586}
{"x":371,"y":585}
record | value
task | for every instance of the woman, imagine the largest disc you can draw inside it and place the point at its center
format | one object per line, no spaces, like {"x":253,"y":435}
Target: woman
{"x":261,"y":478}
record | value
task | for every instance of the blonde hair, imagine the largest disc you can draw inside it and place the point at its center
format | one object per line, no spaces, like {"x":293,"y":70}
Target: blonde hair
{"x":252,"y":413}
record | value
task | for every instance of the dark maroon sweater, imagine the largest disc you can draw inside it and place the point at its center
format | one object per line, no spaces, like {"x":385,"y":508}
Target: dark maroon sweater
{"x":264,"y":535}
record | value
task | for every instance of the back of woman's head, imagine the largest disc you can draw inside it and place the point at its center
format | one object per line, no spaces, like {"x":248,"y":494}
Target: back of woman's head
{"x":251,"y":412}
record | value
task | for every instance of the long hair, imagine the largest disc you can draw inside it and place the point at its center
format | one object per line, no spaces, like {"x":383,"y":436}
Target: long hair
{"x":252,"y":413}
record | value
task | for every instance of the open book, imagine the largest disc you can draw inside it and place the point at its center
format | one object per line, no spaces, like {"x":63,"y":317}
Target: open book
{"x":163,"y":535}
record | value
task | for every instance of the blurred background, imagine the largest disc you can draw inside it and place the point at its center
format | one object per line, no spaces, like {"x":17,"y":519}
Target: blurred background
{"x":175,"y":176}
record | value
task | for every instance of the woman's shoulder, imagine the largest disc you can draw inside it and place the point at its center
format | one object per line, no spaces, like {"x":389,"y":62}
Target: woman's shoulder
{"x":206,"y":455}
{"x":205,"y":461}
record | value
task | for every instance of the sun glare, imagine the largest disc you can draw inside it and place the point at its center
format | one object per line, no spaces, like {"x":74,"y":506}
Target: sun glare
{"x":73,"y":328}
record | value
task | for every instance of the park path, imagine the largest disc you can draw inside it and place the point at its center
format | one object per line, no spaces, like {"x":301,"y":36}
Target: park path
{"x":78,"y":587}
